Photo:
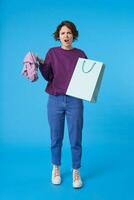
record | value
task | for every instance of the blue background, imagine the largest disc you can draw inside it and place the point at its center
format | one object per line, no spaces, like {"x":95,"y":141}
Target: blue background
{"x":106,"y":33}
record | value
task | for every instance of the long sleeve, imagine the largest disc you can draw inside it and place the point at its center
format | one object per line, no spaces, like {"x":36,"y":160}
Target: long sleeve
{"x":85,"y":56}
{"x":58,"y":67}
{"x":46,"y":69}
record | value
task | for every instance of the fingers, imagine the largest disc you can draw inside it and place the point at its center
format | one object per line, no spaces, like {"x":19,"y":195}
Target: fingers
{"x":39,"y":59}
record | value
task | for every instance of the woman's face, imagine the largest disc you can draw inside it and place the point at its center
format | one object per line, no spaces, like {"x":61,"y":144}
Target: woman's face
{"x":66,"y":37}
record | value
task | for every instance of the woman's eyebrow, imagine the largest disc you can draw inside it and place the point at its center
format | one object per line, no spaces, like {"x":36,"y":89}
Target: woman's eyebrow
{"x":67,"y":32}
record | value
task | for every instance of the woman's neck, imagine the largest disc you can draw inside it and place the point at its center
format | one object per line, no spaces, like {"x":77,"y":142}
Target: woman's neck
{"x":67,"y":48}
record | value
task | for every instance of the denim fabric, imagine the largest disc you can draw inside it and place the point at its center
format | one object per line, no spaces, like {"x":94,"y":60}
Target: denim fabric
{"x":59,"y":107}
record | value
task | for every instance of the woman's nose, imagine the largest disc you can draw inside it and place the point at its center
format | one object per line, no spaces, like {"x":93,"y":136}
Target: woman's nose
{"x":66,"y":34}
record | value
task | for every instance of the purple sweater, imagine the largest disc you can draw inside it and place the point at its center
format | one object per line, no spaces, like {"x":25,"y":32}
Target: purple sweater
{"x":58,"y":68}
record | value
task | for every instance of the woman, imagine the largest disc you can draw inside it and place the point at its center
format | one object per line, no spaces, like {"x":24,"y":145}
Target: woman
{"x":57,"y":69}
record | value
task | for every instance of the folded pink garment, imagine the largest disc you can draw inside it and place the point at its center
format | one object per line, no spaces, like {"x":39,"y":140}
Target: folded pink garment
{"x":30,"y":69}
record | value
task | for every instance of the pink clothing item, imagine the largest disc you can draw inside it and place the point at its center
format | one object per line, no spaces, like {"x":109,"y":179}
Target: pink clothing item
{"x":30,"y":69}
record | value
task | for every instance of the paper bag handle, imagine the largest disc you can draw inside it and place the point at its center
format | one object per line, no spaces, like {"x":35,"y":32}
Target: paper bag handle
{"x":89,"y":69}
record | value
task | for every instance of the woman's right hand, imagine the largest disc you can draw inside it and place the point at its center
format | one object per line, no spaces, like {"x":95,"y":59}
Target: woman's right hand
{"x":39,"y":60}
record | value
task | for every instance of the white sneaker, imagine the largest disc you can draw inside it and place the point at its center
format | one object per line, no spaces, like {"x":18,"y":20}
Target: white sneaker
{"x":77,"y":182}
{"x":56,"y":178}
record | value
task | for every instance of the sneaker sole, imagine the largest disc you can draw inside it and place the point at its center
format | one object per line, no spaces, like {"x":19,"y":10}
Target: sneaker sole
{"x":77,"y":187}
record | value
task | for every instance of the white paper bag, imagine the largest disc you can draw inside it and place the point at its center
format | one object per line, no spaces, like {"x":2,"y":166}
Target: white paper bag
{"x":86,"y":79}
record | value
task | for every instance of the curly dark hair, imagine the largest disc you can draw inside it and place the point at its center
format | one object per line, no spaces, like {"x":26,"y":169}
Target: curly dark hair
{"x":68,"y":24}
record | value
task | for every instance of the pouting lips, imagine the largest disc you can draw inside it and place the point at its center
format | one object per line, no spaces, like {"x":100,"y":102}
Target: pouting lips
{"x":66,"y":40}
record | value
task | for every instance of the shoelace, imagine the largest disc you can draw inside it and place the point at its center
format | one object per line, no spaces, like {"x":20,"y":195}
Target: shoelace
{"x":76,"y":175}
{"x":56,"y":172}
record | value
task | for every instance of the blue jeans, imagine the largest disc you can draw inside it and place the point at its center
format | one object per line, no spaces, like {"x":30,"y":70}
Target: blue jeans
{"x":59,"y":107}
